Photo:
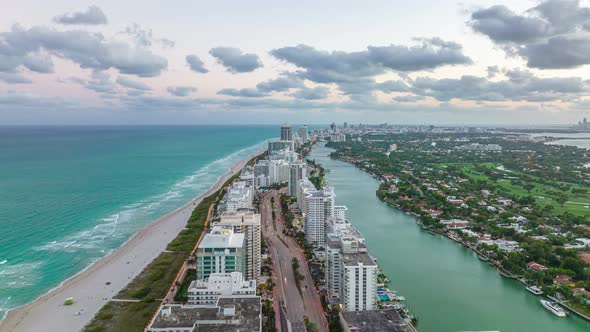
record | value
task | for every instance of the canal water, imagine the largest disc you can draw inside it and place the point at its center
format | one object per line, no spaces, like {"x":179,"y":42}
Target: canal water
{"x":446,"y":286}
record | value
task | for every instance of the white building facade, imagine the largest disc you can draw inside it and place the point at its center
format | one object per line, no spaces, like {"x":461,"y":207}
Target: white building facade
{"x":208,"y":291}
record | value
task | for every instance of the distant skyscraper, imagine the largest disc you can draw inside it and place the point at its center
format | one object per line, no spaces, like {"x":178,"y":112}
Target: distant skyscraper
{"x":286,"y":133}
{"x":303,"y":134}
{"x":333,"y":126}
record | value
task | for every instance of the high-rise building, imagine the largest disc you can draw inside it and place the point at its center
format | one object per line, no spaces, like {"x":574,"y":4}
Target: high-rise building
{"x":286,"y":133}
{"x":318,"y":207}
{"x":277,"y":146}
{"x":359,"y":283}
{"x":333,"y":126}
{"x":220,"y":251}
{"x":351,"y":273}
{"x":247,"y":223}
{"x":303,"y":134}
{"x":296,"y":173}
{"x":345,"y":125}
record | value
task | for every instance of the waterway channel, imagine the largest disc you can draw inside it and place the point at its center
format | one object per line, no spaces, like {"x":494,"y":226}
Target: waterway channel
{"x":446,"y":286}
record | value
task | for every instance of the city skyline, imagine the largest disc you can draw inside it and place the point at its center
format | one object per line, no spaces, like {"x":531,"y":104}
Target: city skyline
{"x":471,"y":63}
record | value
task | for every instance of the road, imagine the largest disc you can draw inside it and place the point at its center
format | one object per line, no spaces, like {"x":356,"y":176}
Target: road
{"x":282,"y":250}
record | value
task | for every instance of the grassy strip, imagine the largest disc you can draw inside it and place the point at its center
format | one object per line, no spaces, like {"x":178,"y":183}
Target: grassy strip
{"x":153,"y":282}
{"x":297,"y":275}
{"x":182,"y":293}
{"x":269,"y":314}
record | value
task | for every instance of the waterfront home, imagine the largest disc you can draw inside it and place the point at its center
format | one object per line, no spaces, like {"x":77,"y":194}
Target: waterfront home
{"x":502,"y":244}
{"x":392,"y":189}
{"x":563,"y":280}
{"x":390,"y":177}
{"x":581,"y":292}
{"x":455,"y":200}
{"x":434,"y":213}
{"x":455,"y":223}
{"x":469,"y":233}
{"x":536,"y":266}
{"x":585,"y":256}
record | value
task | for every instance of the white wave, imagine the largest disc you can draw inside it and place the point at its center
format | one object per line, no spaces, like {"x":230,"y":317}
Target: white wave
{"x":2,"y":262}
{"x":114,"y":229}
{"x":19,"y":275}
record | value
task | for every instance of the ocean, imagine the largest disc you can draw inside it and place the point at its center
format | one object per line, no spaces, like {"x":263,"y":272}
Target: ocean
{"x":70,"y":195}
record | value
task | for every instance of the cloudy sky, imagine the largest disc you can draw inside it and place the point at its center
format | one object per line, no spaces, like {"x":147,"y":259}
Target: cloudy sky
{"x":517,"y":62}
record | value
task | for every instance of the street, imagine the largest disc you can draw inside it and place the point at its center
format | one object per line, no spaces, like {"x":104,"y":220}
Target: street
{"x":282,"y":249}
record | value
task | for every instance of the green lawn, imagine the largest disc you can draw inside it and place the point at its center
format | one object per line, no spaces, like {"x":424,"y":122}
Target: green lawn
{"x":544,"y":194}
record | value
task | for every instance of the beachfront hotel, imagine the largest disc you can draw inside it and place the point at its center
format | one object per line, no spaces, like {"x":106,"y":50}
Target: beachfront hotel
{"x":208,"y":291}
{"x":221,"y":251}
{"x":239,"y":196}
{"x":248,"y":223}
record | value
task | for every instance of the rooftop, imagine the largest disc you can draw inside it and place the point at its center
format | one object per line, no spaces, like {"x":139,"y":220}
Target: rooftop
{"x":230,"y":314}
{"x":358,"y":258}
{"x":222,"y":238}
{"x":375,"y":320}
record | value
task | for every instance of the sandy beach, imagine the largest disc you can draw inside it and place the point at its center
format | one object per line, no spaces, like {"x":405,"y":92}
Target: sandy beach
{"x":89,"y":288}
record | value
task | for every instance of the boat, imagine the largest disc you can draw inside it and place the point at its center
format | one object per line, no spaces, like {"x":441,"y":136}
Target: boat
{"x":554,"y":308}
{"x":482,"y":258}
{"x":535,"y":290}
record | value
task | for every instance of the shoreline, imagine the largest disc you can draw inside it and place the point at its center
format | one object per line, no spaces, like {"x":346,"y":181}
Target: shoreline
{"x":94,"y":286}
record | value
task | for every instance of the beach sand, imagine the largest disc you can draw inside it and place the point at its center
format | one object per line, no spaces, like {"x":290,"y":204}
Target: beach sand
{"x":89,"y":288}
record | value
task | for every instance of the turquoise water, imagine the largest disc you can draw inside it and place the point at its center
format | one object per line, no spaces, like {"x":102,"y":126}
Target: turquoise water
{"x":70,"y":195}
{"x":446,"y":286}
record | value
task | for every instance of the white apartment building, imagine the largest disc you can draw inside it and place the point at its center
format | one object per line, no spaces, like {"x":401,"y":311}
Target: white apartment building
{"x":318,"y":207}
{"x":239,"y":196}
{"x":208,"y":291}
{"x":278,"y":171}
{"x":351,"y":273}
{"x":303,"y":188}
{"x":247,"y":223}
{"x":268,"y":172}
{"x":341,"y":212}
{"x":359,"y":286}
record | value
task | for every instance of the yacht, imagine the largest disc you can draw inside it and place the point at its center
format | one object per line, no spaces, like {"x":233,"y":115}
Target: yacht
{"x":554,"y":308}
{"x":535,"y":290}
